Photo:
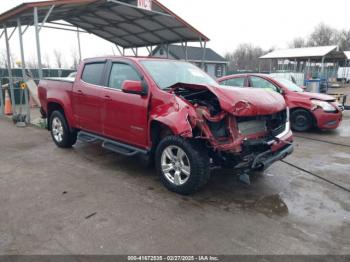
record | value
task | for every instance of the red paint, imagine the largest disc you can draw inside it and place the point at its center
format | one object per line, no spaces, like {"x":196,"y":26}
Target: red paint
{"x":300,"y":100}
{"x":126,"y":116}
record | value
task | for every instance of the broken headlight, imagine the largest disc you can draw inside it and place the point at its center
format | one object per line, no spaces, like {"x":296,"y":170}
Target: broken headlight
{"x":327,"y":107}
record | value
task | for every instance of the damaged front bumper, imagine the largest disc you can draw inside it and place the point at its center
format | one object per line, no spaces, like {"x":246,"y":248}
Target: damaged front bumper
{"x":266,"y":159}
{"x":265,"y":152}
{"x":280,"y":147}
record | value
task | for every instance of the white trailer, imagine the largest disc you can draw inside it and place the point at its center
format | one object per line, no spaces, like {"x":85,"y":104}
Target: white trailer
{"x":343,"y":74}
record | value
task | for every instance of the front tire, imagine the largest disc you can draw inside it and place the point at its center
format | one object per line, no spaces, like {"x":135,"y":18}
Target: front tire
{"x":301,"y":120}
{"x":60,"y":132}
{"x":183,"y":166}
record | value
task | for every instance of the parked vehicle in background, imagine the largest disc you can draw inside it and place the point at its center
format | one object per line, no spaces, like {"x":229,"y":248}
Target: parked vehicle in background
{"x":343,"y":74}
{"x":169,"y":111}
{"x":307,"y":110}
{"x":72,"y":75}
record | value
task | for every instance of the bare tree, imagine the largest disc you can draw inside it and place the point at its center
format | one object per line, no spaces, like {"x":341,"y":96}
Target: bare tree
{"x":58,"y":58}
{"x":344,"y":40}
{"x":323,"y":35}
{"x":76,"y":59}
{"x":245,"y":57}
{"x":297,"y":43}
{"x":3,"y":59}
{"x":47,"y":61}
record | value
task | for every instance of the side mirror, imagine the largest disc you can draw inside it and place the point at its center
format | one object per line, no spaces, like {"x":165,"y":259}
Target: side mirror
{"x":134,"y":87}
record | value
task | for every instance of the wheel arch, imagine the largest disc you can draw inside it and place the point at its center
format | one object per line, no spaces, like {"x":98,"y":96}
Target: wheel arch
{"x":57,"y":106}
{"x":51,"y":107}
{"x":158,"y":131}
{"x":314,"y":120}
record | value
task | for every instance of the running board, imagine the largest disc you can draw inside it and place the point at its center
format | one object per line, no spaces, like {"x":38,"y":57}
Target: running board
{"x":86,"y":138}
{"x":111,"y":145}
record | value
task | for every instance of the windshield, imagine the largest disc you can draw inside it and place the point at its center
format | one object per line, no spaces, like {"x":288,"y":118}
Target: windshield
{"x":290,"y":85}
{"x":168,"y":73}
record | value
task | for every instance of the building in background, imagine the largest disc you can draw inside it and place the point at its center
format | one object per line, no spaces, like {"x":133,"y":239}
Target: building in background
{"x":214,"y":64}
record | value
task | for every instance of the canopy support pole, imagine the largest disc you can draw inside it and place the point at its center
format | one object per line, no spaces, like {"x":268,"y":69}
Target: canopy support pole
{"x":119,"y":50}
{"x":20,"y":34}
{"x":79,"y":44}
{"x":13,"y":31}
{"x":135,"y":51}
{"x":204,"y":54}
{"x":167,"y":50}
{"x":9,"y":69}
{"x":322,"y":67}
{"x":47,"y":16}
{"x":25,"y":30}
{"x":37,"y":36}
{"x":308,"y":68}
{"x":23,"y":66}
{"x":184,"y":47}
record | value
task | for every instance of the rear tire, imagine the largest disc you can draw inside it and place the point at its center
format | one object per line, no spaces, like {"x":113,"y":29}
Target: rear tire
{"x":60,"y":132}
{"x":301,"y":120}
{"x":184,"y":167}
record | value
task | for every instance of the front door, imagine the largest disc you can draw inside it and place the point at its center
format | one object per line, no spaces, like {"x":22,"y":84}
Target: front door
{"x":125,"y":115}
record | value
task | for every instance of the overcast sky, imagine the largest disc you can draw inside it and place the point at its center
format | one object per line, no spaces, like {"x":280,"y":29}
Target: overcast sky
{"x":265,"y":23}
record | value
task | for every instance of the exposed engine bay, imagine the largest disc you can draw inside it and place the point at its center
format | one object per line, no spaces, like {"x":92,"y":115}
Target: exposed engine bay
{"x":230,"y":136}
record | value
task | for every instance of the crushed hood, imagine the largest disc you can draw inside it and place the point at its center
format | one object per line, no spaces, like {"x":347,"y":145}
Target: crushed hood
{"x":244,"y":102}
{"x":249,"y":101}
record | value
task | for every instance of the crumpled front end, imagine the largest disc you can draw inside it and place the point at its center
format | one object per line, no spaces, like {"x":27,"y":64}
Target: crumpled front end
{"x":244,"y":135}
{"x":245,"y":142}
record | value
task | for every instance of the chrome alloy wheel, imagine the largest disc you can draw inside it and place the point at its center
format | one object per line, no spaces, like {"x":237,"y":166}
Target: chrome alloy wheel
{"x":57,"y":129}
{"x":175,"y":165}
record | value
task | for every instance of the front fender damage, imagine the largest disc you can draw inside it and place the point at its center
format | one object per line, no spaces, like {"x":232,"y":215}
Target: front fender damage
{"x":175,"y":116}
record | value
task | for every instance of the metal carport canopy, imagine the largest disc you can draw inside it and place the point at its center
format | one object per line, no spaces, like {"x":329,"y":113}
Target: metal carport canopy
{"x":118,"y":21}
{"x":305,"y":53}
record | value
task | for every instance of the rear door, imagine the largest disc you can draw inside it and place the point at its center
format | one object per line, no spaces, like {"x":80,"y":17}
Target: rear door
{"x":88,"y":97}
{"x":125,"y":116}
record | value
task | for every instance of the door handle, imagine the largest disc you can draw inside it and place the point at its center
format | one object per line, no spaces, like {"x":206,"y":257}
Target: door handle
{"x":80,"y":92}
{"x":108,"y":97}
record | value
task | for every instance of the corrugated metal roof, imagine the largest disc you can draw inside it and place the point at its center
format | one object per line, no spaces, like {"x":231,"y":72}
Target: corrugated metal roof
{"x":306,"y":52}
{"x":193,"y":53}
{"x":119,"y":22}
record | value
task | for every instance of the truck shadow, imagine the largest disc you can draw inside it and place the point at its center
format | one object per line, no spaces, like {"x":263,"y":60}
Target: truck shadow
{"x":223,"y":191}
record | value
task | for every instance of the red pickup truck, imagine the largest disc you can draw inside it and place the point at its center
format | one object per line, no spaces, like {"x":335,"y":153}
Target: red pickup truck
{"x":170,"y":111}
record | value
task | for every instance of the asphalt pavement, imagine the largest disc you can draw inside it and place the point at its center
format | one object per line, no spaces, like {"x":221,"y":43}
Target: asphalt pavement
{"x":87,"y":200}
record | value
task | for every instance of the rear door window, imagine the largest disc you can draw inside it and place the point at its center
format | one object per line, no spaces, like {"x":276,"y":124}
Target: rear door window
{"x":92,"y":73}
{"x":238,"y":82}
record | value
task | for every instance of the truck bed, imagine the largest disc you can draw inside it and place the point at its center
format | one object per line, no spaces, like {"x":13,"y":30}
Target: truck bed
{"x":53,"y":89}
